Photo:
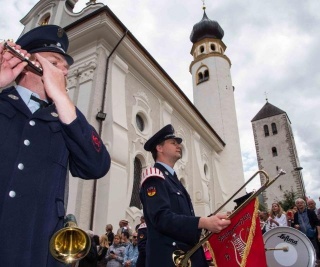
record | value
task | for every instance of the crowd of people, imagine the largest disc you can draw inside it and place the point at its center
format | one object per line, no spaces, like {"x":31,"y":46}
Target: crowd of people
{"x":125,"y":247}
{"x":303,"y":216}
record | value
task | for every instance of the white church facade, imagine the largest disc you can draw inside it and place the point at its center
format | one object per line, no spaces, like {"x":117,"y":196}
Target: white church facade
{"x":127,"y":97}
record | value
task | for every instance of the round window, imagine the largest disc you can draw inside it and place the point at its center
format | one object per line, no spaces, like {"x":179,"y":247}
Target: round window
{"x":140,"y":122}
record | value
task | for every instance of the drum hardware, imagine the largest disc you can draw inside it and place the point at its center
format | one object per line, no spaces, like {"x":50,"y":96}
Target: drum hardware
{"x":285,"y":249}
{"x":31,"y":66}
{"x":182,"y":259}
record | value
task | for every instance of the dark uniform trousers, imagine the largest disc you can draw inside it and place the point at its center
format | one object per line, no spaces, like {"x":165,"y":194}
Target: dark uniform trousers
{"x":170,"y":220}
{"x":35,"y":151}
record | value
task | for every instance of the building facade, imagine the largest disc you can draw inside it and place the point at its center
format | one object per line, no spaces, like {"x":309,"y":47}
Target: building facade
{"x":127,"y":97}
{"x":276,"y":149}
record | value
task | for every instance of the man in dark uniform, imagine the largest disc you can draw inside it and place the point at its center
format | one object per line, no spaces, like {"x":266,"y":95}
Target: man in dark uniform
{"x":169,"y":215}
{"x":38,"y":145}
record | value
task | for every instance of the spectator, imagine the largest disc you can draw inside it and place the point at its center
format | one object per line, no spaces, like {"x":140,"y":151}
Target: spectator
{"x":307,"y":222}
{"x":124,"y":226}
{"x":109,"y":233}
{"x":264,"y":220}
{"x":131,"y":253}
{"x":91,"y":259}
{"x":290,"y":218}
{"x":142,"y":240}
{"x":115,"y":253}
{"x":102,"y":251}
{"x":277,"y":217}
{"x":125,"y":241}
{"x":141,"y":221}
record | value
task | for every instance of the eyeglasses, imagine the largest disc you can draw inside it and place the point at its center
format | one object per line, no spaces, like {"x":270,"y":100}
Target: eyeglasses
{"x":135,"y":237}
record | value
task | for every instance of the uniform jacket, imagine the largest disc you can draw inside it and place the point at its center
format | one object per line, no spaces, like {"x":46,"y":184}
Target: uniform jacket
{"x":170,"y":218}
{"x":35,"y":153}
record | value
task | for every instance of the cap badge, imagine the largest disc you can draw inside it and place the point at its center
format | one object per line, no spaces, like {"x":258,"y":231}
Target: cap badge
{"x":14,"y":97}
{"x":151,"y":191}
{"x":60,"y":32}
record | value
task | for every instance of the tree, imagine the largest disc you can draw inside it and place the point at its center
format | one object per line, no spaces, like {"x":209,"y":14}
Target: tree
{"x":289,"y":198}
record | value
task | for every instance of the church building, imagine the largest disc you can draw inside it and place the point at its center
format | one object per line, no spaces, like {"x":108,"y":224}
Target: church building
{"x":127,"y":96}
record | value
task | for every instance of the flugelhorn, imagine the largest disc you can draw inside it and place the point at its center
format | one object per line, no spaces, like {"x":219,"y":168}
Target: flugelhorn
{"x":70,"y":244}
{"x":182,"y":259}
{"x":31,"y":66}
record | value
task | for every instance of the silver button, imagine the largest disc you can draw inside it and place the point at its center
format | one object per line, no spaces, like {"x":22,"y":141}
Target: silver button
{"x":32,"y":123}
{"x":26,"y":142}
{"x":174,"y":244}
{"x":12,"y":194}
{"x":54,"y":114}
{"x":178,"y":193}
{"x":20,"y":166}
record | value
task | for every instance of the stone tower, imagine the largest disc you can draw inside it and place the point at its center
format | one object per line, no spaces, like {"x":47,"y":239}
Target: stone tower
{"x":276,"y":149}
{"x":214,"y":94}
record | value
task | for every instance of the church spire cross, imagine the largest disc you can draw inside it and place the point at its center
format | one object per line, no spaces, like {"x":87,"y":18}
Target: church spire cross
{"x":266,"y":94}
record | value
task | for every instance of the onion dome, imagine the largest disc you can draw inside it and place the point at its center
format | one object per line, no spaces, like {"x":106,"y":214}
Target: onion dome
{"x":206,"y":28}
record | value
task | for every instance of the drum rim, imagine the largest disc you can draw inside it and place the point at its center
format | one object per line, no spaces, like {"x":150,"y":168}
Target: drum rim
{"x":290,"y":230}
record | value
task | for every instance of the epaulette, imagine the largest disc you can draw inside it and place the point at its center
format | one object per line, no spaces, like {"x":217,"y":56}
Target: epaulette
{"x":150,"y":172}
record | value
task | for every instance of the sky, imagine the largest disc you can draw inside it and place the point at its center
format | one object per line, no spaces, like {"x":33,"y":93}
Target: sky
{"x":273,"y":46}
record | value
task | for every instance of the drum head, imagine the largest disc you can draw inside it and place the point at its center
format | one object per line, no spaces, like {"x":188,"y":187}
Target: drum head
{"x":300,"y":251}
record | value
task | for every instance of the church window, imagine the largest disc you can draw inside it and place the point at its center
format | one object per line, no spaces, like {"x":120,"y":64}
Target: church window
{"x":201,"y":49}
{"x":135,"y":199}
{"x":45,"y":20}
{"x":203,"y":75}
{"x":140,"y":122}
{"x":266,"y":130}
{"x":274,"y":128}
{"x":274,"y":152}
{"x":206,"y":75}
{"x":213,"y":47}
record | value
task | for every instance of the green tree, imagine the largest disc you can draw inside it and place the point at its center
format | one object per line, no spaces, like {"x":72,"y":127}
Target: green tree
{"x":289,"y":198}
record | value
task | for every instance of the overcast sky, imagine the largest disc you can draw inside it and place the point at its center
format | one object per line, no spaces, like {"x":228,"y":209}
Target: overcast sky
{"x":273,"y":46}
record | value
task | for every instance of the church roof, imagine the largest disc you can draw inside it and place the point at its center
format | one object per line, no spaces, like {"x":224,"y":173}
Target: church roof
{"x":206,"y":28}
{"x":268,"y":110}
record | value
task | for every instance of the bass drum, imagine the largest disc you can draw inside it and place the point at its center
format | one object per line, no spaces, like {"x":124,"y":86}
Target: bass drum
{"x":295,"y":248}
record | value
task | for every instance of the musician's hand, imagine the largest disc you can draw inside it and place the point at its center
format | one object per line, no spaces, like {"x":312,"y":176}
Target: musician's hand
{"x":297,"y":226}
{"x":215,"y":223}
{"x":10,"y":66}
{"x":55,"y":70}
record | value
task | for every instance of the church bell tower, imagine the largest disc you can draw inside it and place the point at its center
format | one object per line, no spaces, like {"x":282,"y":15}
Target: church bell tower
{"x":213,"y":94}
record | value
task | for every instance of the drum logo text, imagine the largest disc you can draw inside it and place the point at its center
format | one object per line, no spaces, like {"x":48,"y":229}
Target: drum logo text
{"x":288,"y":239}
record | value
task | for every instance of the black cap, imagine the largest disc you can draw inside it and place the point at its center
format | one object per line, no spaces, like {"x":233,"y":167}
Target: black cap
{"x":167,"y":132}
{"x":46,"y":38}
{"x":242,"y":199}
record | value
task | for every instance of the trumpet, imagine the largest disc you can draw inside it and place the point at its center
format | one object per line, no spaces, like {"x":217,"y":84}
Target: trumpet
{"x":70,"y":244}
{"x":182,"y":259}
{"x":31,"y":66}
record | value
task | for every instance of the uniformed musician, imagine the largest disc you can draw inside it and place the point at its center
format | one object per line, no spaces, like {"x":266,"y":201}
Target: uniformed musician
{"x":42,"y":135}
{"x":167,"y":206}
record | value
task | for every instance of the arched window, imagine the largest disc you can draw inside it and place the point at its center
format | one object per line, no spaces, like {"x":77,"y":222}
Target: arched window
{"x":206,"y":75}
{"x":274,"y":128}
{"x":135,"y":200}
{"x":274,"y":152}
{"x":266,"y":130}
{"x":213,"y":47}
{"x":201,"y":49}
{"x":203,"y":74}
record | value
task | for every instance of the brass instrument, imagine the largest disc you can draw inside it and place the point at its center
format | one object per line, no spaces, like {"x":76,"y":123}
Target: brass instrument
{"x":182,"y":259}
{"x":70,"y":244}
{"x":31,"y":66}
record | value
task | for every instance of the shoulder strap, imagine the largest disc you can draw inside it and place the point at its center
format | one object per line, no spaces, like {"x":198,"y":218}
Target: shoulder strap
{"x":151,"y":172}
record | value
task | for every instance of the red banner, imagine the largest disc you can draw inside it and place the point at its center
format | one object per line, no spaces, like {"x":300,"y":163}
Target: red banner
{"x":241,"y":243}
